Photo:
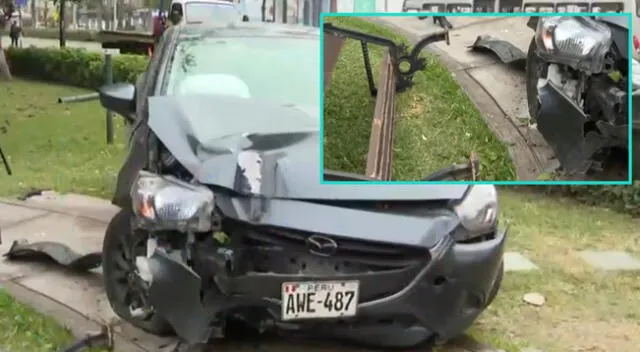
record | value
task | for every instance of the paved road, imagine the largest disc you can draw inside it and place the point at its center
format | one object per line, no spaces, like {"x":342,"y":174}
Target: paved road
{"x":44,"y":43}
{"x":497,"y":90}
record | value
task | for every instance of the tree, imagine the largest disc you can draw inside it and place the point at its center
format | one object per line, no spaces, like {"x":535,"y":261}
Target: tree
{"x":62,"y":5}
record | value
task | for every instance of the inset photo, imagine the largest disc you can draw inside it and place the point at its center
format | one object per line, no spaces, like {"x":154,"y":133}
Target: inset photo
{"x":516,"y":98}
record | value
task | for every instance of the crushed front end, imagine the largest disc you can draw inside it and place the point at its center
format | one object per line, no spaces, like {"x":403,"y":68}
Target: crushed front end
{"x":580,"y":69}
{"x":387,"y":273}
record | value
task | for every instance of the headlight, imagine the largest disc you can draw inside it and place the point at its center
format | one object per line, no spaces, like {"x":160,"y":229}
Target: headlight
{"x":167,"y":203}
{"x":478,"y":211}
{"x":577,"y":41}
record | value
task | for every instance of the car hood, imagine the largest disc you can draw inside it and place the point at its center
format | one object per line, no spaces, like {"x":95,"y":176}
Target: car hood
{"x":258,"y":148}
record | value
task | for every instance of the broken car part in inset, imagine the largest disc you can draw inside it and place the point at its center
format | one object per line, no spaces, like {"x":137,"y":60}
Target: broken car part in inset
{"x":58,"y":252}
{"x":457,"y":172}
{"x":102,"y":339}
{"x":379,"y":157}
{"x":396,"y":75}
{"x":505,"y":51}
{"x":443,"y":22}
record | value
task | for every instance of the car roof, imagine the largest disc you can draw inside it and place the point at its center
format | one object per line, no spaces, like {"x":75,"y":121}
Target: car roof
{"x":241,"y":29}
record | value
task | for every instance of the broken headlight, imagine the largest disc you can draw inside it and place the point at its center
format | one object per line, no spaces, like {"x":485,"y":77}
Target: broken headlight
{"x":167,"y":203}
{"x":477,"y":212}
{"x":579,"y":42}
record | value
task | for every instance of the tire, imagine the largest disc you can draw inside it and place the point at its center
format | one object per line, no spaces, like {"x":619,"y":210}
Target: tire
{"x":496,"y":285}
{"x":113,"y":274}
{"x":535,"y":70}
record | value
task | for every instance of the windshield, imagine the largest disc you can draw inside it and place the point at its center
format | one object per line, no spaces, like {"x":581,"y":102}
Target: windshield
{"x":282,"y":70}
{"x":205,"y":12}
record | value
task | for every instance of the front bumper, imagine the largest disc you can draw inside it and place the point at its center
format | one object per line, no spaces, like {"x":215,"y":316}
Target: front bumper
{"x":563,"y":125}
{"x":442,"y":299}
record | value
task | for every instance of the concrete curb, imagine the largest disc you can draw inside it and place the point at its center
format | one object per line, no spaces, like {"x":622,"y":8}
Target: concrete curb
{"x":527,"y":162}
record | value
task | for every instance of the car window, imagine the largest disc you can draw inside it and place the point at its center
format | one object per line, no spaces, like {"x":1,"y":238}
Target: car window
{"x":283,"y":70}
{"x":206,"y":12}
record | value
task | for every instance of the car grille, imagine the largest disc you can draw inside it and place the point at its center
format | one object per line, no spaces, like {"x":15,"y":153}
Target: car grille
{"x":377,"y":256}
{"x":382,"y":269}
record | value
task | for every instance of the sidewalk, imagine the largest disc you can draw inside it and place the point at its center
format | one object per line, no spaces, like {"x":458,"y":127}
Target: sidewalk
{"x":497,"y":90}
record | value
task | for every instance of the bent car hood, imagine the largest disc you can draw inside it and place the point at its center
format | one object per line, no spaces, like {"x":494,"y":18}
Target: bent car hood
{"x":258,"y":148}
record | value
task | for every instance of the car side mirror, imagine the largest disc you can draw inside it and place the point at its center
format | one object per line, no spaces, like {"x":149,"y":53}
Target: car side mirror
{"x":119,"y":98}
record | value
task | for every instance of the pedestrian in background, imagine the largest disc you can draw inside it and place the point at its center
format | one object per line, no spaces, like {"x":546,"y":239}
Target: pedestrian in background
{"x":14,"y":33}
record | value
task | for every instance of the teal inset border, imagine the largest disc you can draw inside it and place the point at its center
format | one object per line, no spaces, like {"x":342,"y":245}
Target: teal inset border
{"x":484,"y":14}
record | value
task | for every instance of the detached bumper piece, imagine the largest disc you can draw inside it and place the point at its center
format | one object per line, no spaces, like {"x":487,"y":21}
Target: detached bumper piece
{"x":565,"y":127}
{"x":505,"y":51}
{"x":52,"y":251}
{"x":404,"y":299}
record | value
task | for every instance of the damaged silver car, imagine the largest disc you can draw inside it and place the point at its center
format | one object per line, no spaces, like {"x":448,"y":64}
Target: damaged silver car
{"x":223,"y":217}
{"x":578,"y":88}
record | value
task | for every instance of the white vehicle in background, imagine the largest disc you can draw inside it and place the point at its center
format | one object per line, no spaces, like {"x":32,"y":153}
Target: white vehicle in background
{"x":437,"y":6}
{"x":204,"y":11}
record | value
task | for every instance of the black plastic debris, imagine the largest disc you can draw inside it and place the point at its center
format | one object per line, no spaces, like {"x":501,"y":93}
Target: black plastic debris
{"x":32,"y":193}
{"x":102,"y":339}
{"x":56,"y":252}
{"x":505,"y":51}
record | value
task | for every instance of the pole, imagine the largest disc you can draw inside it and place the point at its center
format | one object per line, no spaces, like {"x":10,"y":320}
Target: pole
{"x":108,"y":79}
{"x":63,"y":41}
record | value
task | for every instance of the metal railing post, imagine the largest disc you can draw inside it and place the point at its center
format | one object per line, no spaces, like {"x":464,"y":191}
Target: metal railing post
{"x":108,"y":79}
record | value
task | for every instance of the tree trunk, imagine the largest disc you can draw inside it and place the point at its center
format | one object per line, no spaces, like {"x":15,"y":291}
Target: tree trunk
{"x":46,"y":14}
{"x":34,"y":15}
{"x":61,"y":24}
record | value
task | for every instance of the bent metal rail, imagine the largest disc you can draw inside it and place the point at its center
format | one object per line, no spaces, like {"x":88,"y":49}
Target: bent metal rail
{"x":396,"y":75}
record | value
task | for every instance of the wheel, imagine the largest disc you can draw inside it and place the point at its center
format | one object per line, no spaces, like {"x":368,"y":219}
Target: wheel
{"x":120,"y":246}
{"x":496,"y":286}
{"x":536,"y":69}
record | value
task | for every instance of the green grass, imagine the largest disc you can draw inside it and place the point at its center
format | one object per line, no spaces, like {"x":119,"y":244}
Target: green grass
{"x":586,"y":310}
{"x":23,"y":329}
{"x":436,"y":123}
{"x":56,"y":146}
{"x":51,"y":146}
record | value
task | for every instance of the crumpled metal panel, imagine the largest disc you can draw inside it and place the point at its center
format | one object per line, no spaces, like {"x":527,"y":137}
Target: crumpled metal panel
{"x":58,"y":252}
{"x":562,"y":123}
{"x":505,"y":51}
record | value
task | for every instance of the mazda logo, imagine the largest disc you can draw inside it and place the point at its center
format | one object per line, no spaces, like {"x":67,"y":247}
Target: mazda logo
{"x":321,"y":246}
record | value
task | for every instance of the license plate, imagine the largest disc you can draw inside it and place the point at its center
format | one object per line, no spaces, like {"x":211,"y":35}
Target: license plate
{"x":319,"y":299}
